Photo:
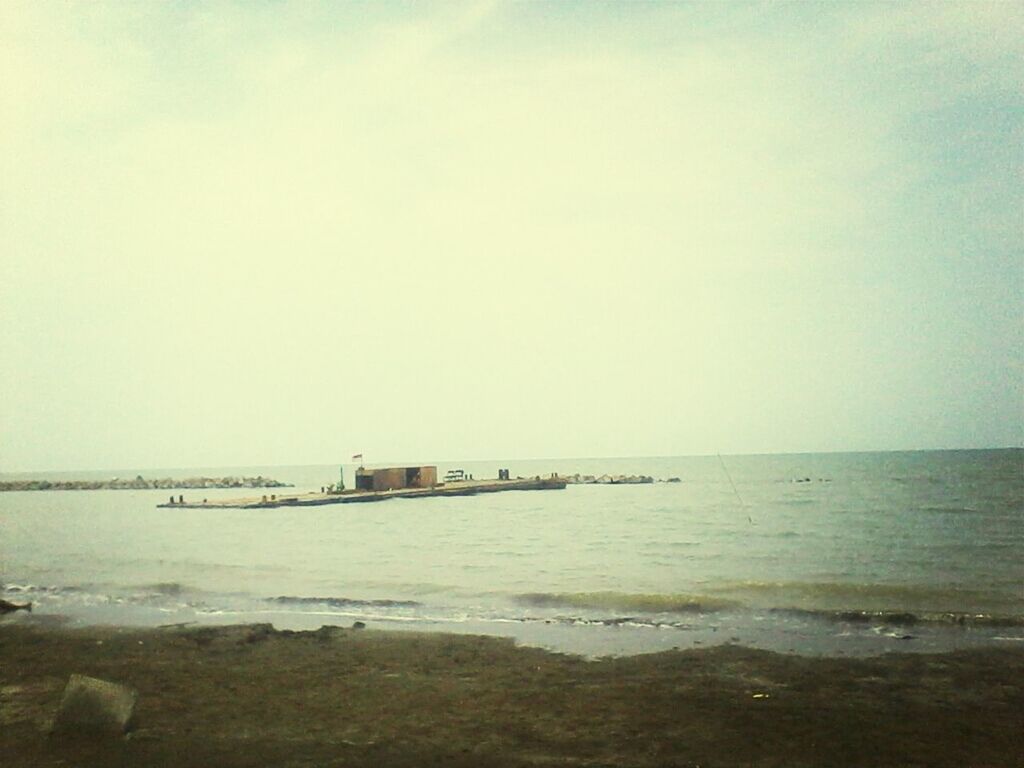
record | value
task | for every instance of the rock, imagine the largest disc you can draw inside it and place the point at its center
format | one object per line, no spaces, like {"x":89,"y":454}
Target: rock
{"x":220,"y":636}
{"x":328,"y":633}
{"x":358,"y":625}
{"x":140,"y":483}
{"x":258,"y":633}
{"x":91,"y":706}
{"x":6,"y":607}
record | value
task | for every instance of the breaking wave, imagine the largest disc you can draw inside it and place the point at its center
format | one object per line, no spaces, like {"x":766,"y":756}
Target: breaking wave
{"x":884,"y":605}
{"x":906,"y":619}
{"x":623,"y":601}
{"x":171,"y":588}
{"x":16,"y":589}
{"x":843,"y":595}
{"x":345,"y":602}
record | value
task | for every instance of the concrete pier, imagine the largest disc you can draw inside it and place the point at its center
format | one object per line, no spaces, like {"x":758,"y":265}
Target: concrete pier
{"x":460,"y":488}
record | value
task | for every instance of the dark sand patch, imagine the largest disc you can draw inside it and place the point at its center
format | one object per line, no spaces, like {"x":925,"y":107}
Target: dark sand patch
{"x":250,"y":696}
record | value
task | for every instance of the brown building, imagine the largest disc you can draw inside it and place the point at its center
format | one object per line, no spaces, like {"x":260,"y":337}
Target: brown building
{"x":390,"y":478}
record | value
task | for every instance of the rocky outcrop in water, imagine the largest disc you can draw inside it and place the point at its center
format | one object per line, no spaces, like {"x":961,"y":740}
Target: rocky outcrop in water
{"x":9,"y":607}
{"x":140,"y":483}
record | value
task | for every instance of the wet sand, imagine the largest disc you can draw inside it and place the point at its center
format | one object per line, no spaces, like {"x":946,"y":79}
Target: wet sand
{"x":252,"y":696}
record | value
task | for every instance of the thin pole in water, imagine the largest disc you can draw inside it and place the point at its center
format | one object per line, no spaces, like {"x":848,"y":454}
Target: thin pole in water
{"x":734,"y":489}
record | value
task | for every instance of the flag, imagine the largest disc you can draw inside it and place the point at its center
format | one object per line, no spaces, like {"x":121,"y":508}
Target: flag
{"x":357,"y":456}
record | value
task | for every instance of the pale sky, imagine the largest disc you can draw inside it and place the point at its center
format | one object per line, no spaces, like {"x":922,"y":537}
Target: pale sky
{"x":284,"y":233}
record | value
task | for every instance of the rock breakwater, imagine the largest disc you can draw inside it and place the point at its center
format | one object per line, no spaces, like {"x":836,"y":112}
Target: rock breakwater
{"x":614,"y":479}
{"x":141,"y":483}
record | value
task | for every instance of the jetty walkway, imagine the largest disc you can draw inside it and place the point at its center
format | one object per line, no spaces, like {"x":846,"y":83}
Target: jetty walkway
{"x":314,"y":499}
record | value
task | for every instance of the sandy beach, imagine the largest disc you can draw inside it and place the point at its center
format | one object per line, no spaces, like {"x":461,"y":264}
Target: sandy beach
{"x":253,"y":696}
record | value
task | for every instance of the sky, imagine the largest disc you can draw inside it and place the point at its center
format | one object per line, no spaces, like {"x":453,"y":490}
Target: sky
{"x":285,"y":233}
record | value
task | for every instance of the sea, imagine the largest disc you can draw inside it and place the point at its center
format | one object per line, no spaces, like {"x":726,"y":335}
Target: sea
{"x":831,"y":554}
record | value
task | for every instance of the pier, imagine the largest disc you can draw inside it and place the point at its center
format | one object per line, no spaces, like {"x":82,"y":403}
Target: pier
{"x":358,"y":496}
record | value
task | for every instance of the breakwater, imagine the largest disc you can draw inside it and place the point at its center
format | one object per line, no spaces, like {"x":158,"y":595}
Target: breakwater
{"x":141,"y":483}
{"x":606,"y":479}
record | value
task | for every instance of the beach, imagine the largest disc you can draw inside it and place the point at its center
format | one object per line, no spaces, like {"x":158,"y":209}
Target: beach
{"x":249,"y":695}
{"x":791,"y":611}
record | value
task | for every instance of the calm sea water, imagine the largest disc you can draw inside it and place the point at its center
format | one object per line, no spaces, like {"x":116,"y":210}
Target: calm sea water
{"x":816,"y":553}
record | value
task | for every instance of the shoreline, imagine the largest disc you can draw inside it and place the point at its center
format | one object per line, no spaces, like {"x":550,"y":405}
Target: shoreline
{"x":248,"y":695}
{"x":594,"y":625}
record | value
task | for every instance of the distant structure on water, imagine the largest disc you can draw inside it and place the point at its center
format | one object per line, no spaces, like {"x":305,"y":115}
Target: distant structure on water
{"x":395,"y":478}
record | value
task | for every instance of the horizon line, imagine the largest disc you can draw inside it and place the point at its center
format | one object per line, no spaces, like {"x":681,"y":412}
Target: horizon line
{"x":403,"y":462}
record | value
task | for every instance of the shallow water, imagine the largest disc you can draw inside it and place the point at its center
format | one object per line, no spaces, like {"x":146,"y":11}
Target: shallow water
{"x":816,"y":553}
